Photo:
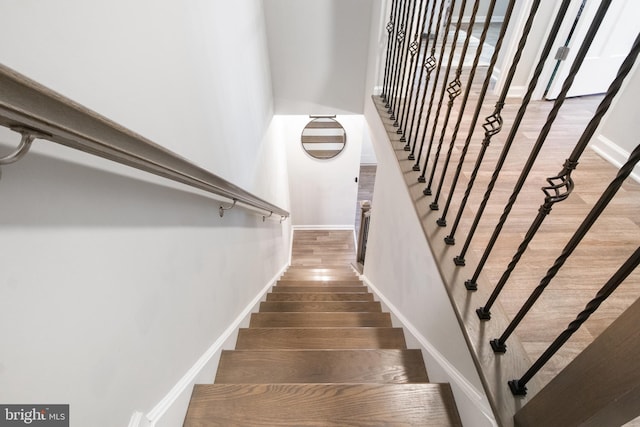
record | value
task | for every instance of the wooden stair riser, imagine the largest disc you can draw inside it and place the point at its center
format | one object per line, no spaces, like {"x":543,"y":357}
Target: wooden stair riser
{"x":325,"y":297}
{"x":321,"y":366}
{"x":300,"y":282}
{"x":320,"y":338}
{"x":323,"y":289}
{"x":320,"y":306}
{"x":320,"y":320}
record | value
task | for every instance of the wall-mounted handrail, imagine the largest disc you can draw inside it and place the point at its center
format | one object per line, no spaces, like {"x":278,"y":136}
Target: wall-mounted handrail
{"x":28,"y":104}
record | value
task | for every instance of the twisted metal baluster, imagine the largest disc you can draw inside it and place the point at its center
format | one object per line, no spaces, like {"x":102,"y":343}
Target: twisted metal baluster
{"x":471,"y":283}
{"x":493,"y":123}
{"x":401,"y":38}
{"x":390,"y":26}
{"x":452,"y":88}
{"x":559,"y":189}
{"x":429,"y":65}
{"x":463,"y":105}
{"x":518,"y":387}
{"x":414,"y":48}
{"x":416,"y":167}
{"x":424,"y":41}
{"x":575,"y":67}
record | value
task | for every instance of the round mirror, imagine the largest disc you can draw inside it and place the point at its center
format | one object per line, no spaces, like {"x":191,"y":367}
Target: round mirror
{"x":323,"y":138}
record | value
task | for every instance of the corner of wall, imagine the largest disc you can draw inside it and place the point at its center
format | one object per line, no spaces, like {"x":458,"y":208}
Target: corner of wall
{"x":171,"y":409}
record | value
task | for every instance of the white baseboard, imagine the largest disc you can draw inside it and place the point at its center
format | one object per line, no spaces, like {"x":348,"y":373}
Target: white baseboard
{"x":458,"y":381}
{"x":323,"y":227}
{"x":613,"y":153}
{"x":479,"y":20}
{"x":517,"y":92}
{"x":172,"y":402}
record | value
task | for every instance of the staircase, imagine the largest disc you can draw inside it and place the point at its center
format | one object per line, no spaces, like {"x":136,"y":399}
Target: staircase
{"x":320,"y":352}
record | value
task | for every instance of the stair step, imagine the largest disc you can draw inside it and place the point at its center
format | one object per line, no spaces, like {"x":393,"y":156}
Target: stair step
{"x":300,"y":282}
{"x":319,"y":320}
{"x":316,"y":289}
{"x":321,"y":405}
{"x":320,"y":338}
{"x":321,"y":366}
{"x":325,"y":296}
{"x":320,"y":306}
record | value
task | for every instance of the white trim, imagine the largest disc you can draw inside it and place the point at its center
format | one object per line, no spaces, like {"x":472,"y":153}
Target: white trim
{"x":323,"y":227}
{"x":186,"y":382}
{"x":377,"y":90}
{"x":473,"y":394}
{"x":613,"y":153}
{"x":480,"y":19}
{"x":517,"y":92}
{"x":138,"y":420}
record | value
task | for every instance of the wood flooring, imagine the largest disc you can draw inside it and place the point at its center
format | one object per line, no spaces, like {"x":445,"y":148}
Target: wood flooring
{"x":609,"y":242}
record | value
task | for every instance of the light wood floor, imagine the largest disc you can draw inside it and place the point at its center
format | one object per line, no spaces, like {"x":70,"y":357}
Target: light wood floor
{"x":319,"y":248}
{"x":611,"y":240}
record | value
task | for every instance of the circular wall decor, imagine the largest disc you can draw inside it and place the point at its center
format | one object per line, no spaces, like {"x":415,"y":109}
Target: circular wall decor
{"x":323,"y":138}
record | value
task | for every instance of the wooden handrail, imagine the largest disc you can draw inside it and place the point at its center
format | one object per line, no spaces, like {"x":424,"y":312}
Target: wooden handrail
{"x":27,"y":104}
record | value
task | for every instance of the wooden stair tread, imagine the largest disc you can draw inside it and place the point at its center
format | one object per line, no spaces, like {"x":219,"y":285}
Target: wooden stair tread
{"x":319,"y":296}
{"x":321,"y":366}
{"x":320,"y":338}
{"x":306,"y":282}
{"x":320,"y":306}
{"x":322,"y":405}
{"x":301,"y":320}
{"x":322,"y":288}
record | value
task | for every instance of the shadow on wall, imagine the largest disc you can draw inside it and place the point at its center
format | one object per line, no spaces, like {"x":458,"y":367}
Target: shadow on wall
{"x":43,"y":191}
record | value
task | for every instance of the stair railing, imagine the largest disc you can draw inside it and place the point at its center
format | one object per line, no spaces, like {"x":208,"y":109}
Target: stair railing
{"x":557,"y":188}
{"x":363,"y":233}
{"x":38,"y":112}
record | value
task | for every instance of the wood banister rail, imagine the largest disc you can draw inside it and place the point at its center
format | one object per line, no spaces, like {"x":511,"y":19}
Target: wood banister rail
{"x":27,"y":104}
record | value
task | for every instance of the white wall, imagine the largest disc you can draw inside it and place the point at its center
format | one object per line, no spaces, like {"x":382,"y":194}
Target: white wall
{"x":618,"y":133}
{"x":113,"y":284}
{"x":402,"y":269}
{"x":323,"y":192}
{"x":318,"y":52}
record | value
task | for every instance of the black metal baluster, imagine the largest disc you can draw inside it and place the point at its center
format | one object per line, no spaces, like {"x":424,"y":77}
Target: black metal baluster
{"x":387,"y":67}
{"x":575,"y":67}
{"x":401,"y":38}
{"x":414,"y":49}
{"x":463,"y":105}
{"x":560,"y":186}
{"x":518,"y":386}
{"x":471,"y":283}
{"x":429,"y":65}
{"x":492,"y":124}
{"x":424,"y":48}
{"x":393,"y":46}
{"x":416,"y":167}
{"x":396,"y":50}
{"x":445,"y":88}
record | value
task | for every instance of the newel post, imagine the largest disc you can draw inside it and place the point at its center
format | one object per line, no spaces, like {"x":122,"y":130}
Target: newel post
{"x":365,"y":213}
